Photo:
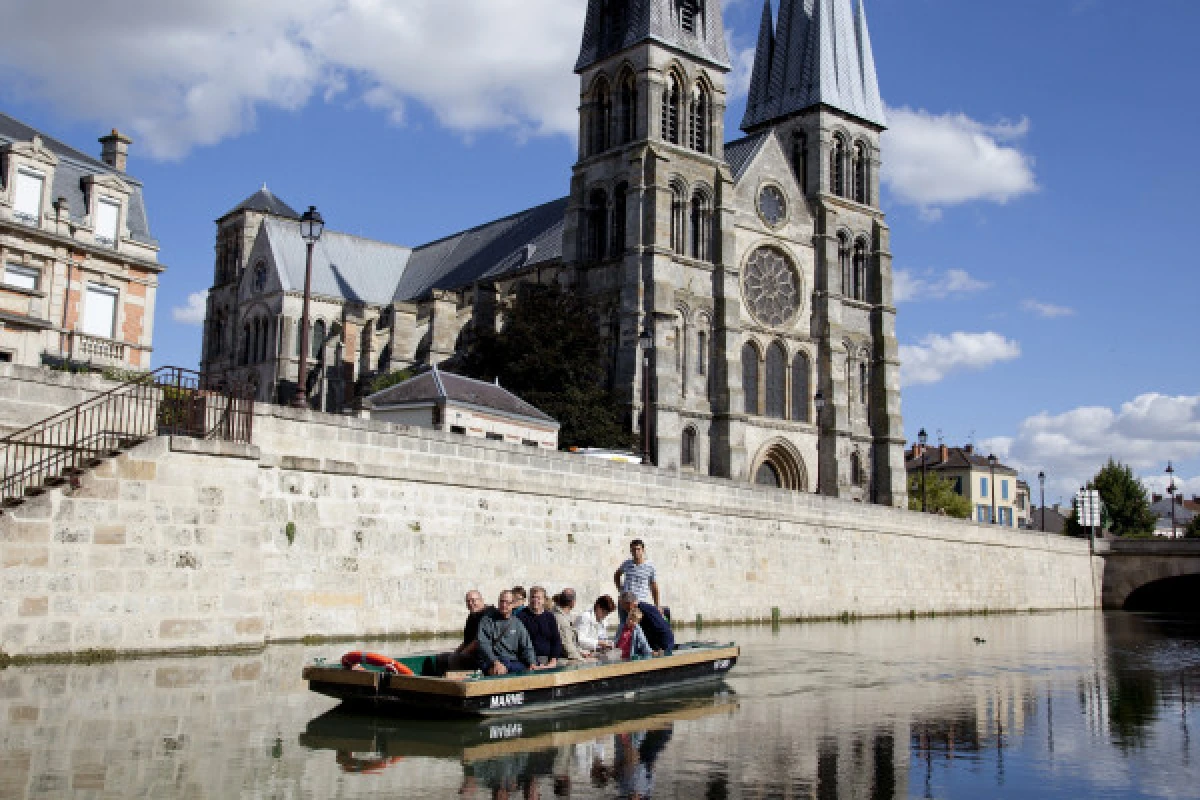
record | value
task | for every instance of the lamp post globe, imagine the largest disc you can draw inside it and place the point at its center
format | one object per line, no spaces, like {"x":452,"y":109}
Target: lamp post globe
{"x":646,"y":344}
{"x":1171,"y":489}
{"x":312,"y":225}
{"x":923,"y":440}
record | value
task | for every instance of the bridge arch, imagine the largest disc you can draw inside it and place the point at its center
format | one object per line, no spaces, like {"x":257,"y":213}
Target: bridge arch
{"x":1151,"y":575}
{"x":1180,"y":594}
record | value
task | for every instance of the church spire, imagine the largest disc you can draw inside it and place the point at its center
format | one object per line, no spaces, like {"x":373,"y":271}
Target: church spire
{"x":693,"y":27}
{"x":820,"y":55}
{"x":763,"y":55}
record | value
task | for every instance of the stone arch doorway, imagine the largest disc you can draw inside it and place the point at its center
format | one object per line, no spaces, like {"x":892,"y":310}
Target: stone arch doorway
{"x":780,"y":466}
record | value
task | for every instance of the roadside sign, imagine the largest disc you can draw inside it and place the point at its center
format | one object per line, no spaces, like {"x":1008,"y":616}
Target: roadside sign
{"x":1090,"y":508}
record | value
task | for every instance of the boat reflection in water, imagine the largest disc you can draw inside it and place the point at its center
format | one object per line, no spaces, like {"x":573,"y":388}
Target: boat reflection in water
{"x":616,"y":745}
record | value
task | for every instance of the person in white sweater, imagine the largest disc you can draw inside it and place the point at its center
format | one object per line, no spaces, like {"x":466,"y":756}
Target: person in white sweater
{"x":589,"y":625}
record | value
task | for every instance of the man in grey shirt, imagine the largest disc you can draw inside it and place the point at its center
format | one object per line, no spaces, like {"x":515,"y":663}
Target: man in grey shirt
{"x":504,"y":644}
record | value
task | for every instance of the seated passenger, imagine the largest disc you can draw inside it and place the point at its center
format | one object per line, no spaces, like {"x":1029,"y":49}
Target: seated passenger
{"x":632,"y":642}
{"x":564,"y":605}
{"x":543,"y":630}
{"x":504,"y":645}
{"x":519,"y":596}
{"x":593,"y":635}
{"x":466,"y":655}
{"x":654,"y":624}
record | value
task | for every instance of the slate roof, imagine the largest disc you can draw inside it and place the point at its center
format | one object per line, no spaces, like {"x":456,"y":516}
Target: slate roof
{"x":73,"y":167}
{"x":957,"y":458}
{"x":1183,"y":514}
{"x":437,"y":385}
{"x":265,"y":201}
{"x":653,"y":20}
{"x":741,"y":152}
{"x":357,"y":269}
{"x":497,"y":248}
{"x":819,"y":53}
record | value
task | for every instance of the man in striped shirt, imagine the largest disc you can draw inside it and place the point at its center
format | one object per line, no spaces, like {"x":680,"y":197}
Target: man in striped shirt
{"x":637,"y":575}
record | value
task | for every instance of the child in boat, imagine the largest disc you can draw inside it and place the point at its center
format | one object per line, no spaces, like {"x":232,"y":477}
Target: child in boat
{"x":632,"y":642}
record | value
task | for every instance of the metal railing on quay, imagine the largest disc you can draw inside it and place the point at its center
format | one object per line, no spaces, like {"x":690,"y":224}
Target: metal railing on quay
{"x":167,"y":401}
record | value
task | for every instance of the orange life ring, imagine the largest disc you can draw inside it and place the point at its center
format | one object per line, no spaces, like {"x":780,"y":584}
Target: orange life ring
{"x":359,"y":659}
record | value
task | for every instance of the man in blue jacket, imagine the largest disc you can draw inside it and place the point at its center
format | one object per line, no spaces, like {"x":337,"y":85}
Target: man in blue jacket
{"x":654,"y":624}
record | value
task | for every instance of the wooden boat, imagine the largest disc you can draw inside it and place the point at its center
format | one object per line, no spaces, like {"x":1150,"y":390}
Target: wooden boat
{"x":425,"y":693}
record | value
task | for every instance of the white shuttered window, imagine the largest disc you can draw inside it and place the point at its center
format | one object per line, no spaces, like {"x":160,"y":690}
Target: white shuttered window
{"x":107,"y":212}
{"x":100,"y":311}
{"x":27,"y":199}
{"x":21,"y":277}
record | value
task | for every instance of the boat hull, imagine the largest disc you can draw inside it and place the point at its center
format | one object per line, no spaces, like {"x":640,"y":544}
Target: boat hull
{"x":521,"y":694}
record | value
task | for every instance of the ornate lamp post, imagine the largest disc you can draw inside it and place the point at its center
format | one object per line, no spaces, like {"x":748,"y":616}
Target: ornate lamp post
{"x":923,"y":439}
{"x":311,"y":227}
{"x":1171,"y":489}
{"x":1042,"y":481}
{"x":992,"y":463}
{"x":819,"y":404}
{"x":646,"y":344}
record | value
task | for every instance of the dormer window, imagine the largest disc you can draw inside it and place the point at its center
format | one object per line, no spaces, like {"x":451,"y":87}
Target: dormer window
{"x":27,"y":196}
{"x":108,"y":211}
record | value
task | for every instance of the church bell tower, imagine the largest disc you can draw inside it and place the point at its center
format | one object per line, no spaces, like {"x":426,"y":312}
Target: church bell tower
{"x":643,"y":234}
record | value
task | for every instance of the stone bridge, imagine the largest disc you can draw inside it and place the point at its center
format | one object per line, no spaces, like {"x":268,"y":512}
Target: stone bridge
{"x":1151,"y":575}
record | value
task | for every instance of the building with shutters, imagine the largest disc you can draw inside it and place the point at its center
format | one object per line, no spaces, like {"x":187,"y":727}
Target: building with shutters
{"x":80,"y":268}
{"x":760,"y":267}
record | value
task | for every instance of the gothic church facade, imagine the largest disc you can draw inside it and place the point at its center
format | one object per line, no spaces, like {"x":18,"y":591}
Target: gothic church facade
{"x":758,"y":269}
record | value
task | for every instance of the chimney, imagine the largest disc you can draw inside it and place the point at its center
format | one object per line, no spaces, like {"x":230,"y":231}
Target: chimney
{"x":114,"y":149}
{"x":945,"y":453}
{"x":1156,"y":498}
{"x":1196,"y":499}
{"x":969,"y":449}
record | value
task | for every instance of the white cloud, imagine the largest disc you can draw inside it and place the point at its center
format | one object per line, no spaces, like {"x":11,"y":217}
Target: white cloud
{"x":936,"y":356}
{"x":1047,"y":310}
{"x":192,"y":313}
{"x":1071,"y":447}
{"x":911,"y":286}
{"x":937,"y":161}
{"x":192,"y":72}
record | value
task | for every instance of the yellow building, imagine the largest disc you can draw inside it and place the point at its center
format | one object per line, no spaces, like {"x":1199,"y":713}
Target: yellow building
{"x":992,"y":489}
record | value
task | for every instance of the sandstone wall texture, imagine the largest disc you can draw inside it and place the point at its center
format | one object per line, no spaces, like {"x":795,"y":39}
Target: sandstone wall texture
{"x":330,"y":526}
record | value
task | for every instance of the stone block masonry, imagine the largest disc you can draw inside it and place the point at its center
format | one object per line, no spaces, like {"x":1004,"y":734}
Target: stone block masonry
{"x":330,"y":526}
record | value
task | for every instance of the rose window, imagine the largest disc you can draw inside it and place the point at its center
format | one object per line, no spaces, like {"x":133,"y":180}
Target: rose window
{"x":771,"y":288}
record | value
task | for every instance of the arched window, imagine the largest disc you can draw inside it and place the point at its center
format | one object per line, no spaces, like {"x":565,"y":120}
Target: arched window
{"x":860,"y":173}
{"x":768,"y":476}
{"x":698,"y":137}
{"x":244,"y":356}
{"x":860,"y":270}
{"x":597,"y":225}
{"x":368,"y":342}
{"x":800,"y":158}
{"x":260,"y":337}
{"x":318,"y":338}
{"x":627,"y":116}
{"x":750,"y":377}
{"x":862,"y":383}
{"x":678,"y":218}
{"x":776,"y":382}
{"x":837,"y":167}
{"x":260,"y":277}
{"x":602,"y":119}
{"x":844,"y":263}
{"x":617,"y":248}
{"x":701,"y":353}
{"x":385,"y":358}
{"x":689,"y":11}
{"x":856,"y":470}
{"x":801,"y":388}
{"x":701,"y":227}
{"x":670,"y":110}
{"x":687,"y":455}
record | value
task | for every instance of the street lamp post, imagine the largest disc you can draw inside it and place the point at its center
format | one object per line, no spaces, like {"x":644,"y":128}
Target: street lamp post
{"x":1171,"y":493}
{"x":646,"y":343}
{"x":992,"y":464}
{"x":819,"y":404}
{"x":923,"y":438}
{"x":311,"y":227}
{"x":1042,"y":481}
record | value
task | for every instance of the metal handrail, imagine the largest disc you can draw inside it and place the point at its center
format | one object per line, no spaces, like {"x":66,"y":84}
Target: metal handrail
{"x":167,"y":401}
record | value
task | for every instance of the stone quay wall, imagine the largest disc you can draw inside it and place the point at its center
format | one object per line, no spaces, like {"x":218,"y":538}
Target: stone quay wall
{"x":337,"y":527}
{"x":31,"y":394}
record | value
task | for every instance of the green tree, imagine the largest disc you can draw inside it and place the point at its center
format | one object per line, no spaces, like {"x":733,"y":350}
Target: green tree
{"x":940,"y":496}
{"x":1126,"y":503}
{"x":550,"y":353}
{"x":1193,"y":529}
{"x":388,"y":380}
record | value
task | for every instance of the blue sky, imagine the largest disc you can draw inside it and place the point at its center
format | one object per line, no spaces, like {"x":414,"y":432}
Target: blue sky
{"x":1038,"y":173}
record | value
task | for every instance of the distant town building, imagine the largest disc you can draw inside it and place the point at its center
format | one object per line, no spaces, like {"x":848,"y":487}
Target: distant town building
{"x":1056,"y":519}
{"x":1185,"y":511}
{"x":759,"y":268}
{"x":447,"y":402}
{"x":80,"y":268}
{"x":975,"y":479}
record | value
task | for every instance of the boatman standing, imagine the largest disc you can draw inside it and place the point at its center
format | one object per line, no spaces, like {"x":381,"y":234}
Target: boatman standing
{"x":637,"y":575}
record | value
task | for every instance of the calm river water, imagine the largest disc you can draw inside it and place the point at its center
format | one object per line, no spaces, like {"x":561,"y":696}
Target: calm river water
{"x":1073,"y":705}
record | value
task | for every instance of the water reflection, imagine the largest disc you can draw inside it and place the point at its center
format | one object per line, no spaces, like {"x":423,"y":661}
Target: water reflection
{"x":1056,"y":706}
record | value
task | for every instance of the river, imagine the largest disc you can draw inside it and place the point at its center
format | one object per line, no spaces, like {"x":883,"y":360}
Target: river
{"x":1072,"y":705}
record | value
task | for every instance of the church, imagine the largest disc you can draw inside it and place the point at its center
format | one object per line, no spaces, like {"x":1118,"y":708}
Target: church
{"x":744,"y":287}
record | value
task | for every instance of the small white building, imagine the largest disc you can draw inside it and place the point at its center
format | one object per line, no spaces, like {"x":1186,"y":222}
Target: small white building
{"x":451,"y":403}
